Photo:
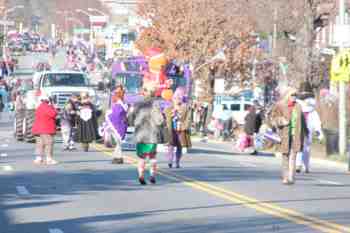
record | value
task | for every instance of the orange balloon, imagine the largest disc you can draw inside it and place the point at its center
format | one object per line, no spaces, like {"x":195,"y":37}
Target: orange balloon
{"x":167,"y":94}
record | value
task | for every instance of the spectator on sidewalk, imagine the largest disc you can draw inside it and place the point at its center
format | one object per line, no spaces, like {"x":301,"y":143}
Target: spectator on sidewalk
{"x":44,"y":128}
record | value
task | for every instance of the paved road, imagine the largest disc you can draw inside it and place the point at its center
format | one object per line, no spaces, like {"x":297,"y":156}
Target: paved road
{"x":213,"y":192}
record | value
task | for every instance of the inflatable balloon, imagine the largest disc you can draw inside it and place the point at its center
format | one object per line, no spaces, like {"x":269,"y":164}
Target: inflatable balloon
{"x":156,"y":63}
{"x":153,"y":52}
{"x":156,"y":59}
{"x":167,"y":94}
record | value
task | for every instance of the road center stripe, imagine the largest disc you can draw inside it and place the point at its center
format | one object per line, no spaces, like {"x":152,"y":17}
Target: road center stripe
{"x":263,"y":207}
{"x":3,"y":155}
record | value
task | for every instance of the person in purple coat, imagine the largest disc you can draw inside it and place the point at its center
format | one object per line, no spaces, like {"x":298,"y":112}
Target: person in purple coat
{"x":118,"y":123}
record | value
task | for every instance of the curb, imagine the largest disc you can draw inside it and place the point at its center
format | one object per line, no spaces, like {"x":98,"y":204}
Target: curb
{"x":323,"y":162}
{"x":320,"y":161}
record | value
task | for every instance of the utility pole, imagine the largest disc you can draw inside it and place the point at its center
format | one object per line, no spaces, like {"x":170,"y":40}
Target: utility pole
{"x":342,"y":94}
{"x":274,"y":40}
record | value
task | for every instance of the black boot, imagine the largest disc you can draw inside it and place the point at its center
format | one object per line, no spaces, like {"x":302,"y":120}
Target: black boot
{"x":142,"y":181}
{"x":152,"y":180}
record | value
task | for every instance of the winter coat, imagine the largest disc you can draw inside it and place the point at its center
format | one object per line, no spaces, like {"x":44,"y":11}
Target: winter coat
{"x":117,"y":118}
{"x":250,"y":123}
{"x":87,"y":130}
{"x":181,"y":135}
{"x":281,"y":119}
{"x":45,"y":119}
{"x":69,"y":116}
{"x":148,"y":122}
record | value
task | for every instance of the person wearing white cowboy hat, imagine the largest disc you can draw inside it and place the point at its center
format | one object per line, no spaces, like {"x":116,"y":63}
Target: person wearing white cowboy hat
{"x":44,"y":128}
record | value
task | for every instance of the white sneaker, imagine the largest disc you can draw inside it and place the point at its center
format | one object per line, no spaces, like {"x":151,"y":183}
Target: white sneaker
{"x":38,"y":160}
{"x":51,"y":162}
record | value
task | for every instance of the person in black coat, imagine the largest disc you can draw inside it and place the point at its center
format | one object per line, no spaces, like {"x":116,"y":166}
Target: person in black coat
{"x":250,"y":121}
{"x":87,"y":127}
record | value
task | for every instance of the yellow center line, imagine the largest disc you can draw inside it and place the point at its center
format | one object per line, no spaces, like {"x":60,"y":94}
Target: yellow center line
{"x":263,"y":207}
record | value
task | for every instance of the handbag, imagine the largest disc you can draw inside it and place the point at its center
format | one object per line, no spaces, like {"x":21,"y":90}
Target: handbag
{"x":273,"y":137}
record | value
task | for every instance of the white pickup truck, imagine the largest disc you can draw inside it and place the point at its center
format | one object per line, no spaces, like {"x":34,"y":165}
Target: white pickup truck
{"x":59,"y":86}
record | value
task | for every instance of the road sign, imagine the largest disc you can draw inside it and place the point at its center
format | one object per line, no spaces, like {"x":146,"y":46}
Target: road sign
{"x":81,"y":30}
{"x":341,"y":36}
{"x":7,"y":23}
{"x":340,"y":69}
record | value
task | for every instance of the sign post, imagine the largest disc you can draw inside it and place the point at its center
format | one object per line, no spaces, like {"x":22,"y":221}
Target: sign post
{"x":340,"y":73}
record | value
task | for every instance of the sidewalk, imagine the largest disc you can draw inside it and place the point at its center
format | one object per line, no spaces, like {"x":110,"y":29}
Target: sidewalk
{"x":318,"y":151}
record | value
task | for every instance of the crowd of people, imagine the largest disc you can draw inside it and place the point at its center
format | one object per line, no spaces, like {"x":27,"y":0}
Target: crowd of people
{"x":153,"y":125}
{"x":292,"y":122}
{"x":78,"y":124}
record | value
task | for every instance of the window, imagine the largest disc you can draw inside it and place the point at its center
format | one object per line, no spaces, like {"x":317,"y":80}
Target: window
{"x":235,"y":107}
{"x":65,"y":79}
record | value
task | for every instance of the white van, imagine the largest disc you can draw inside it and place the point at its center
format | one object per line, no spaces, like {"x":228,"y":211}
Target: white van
{"x":237,"y":106}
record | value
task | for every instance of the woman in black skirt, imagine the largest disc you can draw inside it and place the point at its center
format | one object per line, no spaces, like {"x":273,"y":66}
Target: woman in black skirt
{"x":87,"y":129}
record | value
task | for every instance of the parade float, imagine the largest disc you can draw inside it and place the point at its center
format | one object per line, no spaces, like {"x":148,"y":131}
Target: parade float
{"x":152,"y":68}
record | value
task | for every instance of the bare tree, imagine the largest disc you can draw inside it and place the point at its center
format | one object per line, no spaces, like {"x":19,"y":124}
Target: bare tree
{"x":298,"y":23}
{"x":194,"y":31}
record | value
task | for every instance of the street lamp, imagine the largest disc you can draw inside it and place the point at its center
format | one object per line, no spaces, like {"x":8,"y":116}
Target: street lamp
{"x":6,"y":12}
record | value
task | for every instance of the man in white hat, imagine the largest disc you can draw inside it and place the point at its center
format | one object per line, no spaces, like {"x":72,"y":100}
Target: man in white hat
{"x":44,"y":128}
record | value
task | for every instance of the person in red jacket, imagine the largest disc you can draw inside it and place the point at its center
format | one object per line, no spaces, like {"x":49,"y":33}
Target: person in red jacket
{"x":44,"y":128}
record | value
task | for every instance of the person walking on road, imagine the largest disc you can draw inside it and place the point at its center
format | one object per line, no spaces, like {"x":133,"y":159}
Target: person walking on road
{"x":44,"y":128}
{"x":178,"y":120}
{"x":68,"y":122}
{"x":118,"y":123}
{"x":148,"y":122}
{"x":307,"y":101}
{"x":250,"y":126}
{"x":287,"y":118}
{"x":87,"y":129}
